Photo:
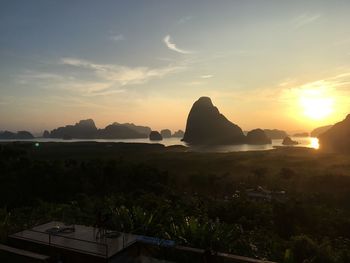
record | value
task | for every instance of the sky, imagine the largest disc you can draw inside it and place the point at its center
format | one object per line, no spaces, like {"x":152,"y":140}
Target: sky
{"x":264,"y":63}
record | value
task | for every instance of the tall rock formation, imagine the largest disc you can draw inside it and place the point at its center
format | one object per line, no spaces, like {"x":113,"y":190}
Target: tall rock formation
{"x":318,"y":131}
{"x":206,"y":125}
{"x":337,"y":138}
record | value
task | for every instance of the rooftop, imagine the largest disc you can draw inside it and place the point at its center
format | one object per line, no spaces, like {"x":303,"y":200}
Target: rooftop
{"x":82,"y":239}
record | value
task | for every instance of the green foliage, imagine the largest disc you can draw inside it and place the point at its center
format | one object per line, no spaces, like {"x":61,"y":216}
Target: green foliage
{"x":198,"y":200}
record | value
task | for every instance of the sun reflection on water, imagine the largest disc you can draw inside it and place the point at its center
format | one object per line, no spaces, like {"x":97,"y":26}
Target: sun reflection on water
{"x":314,"y":143}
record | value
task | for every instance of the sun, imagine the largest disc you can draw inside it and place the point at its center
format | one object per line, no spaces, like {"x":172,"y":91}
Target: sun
{"x":316,"y":104}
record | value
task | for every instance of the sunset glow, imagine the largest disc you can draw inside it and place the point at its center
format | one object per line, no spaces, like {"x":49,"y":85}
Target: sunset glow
{"x":264,"y":71}
{"x":315,"y":104}
{"x":314,"y":143}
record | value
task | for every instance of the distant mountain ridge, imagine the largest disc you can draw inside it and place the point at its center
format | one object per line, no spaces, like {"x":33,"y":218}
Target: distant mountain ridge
{"x":139,"y":129}
{"x":86,"y":129}
{"x":275,"y":134}
{"x":301,"y":134}
{"x":20,"y":135}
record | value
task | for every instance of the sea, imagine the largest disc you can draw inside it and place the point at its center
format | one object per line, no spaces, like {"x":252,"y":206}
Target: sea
{"x":309,"y":142}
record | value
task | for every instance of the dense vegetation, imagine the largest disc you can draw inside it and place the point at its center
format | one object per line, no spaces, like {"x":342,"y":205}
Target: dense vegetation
{"x":197,"y":199}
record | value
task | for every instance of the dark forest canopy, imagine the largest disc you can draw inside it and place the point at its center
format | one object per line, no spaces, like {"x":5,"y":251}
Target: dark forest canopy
{"x":197,"y":199}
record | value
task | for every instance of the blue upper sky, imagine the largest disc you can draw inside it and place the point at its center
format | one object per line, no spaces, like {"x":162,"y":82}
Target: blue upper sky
{"x":147,"y":61}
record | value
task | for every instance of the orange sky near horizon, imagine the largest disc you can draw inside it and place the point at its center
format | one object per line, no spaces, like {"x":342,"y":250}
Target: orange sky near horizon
{"x":284,"y":67}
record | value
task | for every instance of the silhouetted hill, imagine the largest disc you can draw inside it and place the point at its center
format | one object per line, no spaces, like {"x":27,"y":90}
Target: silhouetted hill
{"x":166,"y":133}
{"x":46,"y":134}
{"x":318,"y":131}
{"x":155,"y":136}
{"x":178,"y":134}
{"x":116,"y":131}
{"x":7,"y":135}
{"x":205,"y":125}
{"x":337,"y":138}
{"x":289,"y":142}
{"x":275,"y":134}
{"x":24,"y":135}
{"x":139,"y":129}
{"x":86,"y":129}
{"x":258,"y":136}
{"x":301,"y":134}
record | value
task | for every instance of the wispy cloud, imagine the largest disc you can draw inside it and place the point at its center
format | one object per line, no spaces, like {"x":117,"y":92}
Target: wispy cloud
{"x":106,"y":79}
{"x":81,"y":63}
{"x":305,"y":19}
{"x":207,"y":76}
{"x":122,"y":75}
{"x":30,"y":75}
{"x":339,"y":81}
{"x":172,"y":46}
{"x":117,"y":38}
{"x":184,"y":20}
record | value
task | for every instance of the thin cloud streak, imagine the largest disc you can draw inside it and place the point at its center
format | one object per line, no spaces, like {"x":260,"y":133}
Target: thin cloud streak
{"x":117,"y":38}
{"x":172,"y":46}
{"x":109,"y":79}
{"x":122,"y":75}
{"x":305,"y":19}
{"x":184,"y":20}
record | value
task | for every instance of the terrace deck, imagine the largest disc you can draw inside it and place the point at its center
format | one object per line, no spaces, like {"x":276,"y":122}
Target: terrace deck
{"x":82,"y":240}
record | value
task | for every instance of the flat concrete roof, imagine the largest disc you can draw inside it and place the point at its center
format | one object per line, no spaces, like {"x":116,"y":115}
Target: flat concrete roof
{"x":82,"y":240}
{"x":23,"y":253}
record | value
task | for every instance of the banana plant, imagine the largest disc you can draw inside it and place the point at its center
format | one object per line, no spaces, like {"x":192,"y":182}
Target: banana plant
{"x":207,"y":234}
{"x":134,"y":220}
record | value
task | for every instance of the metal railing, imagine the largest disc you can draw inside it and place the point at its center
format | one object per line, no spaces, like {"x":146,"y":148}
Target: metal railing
{"x":51,"y":242}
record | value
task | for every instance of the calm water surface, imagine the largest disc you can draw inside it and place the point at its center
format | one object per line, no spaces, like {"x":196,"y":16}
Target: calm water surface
{"x":309,"y":142}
